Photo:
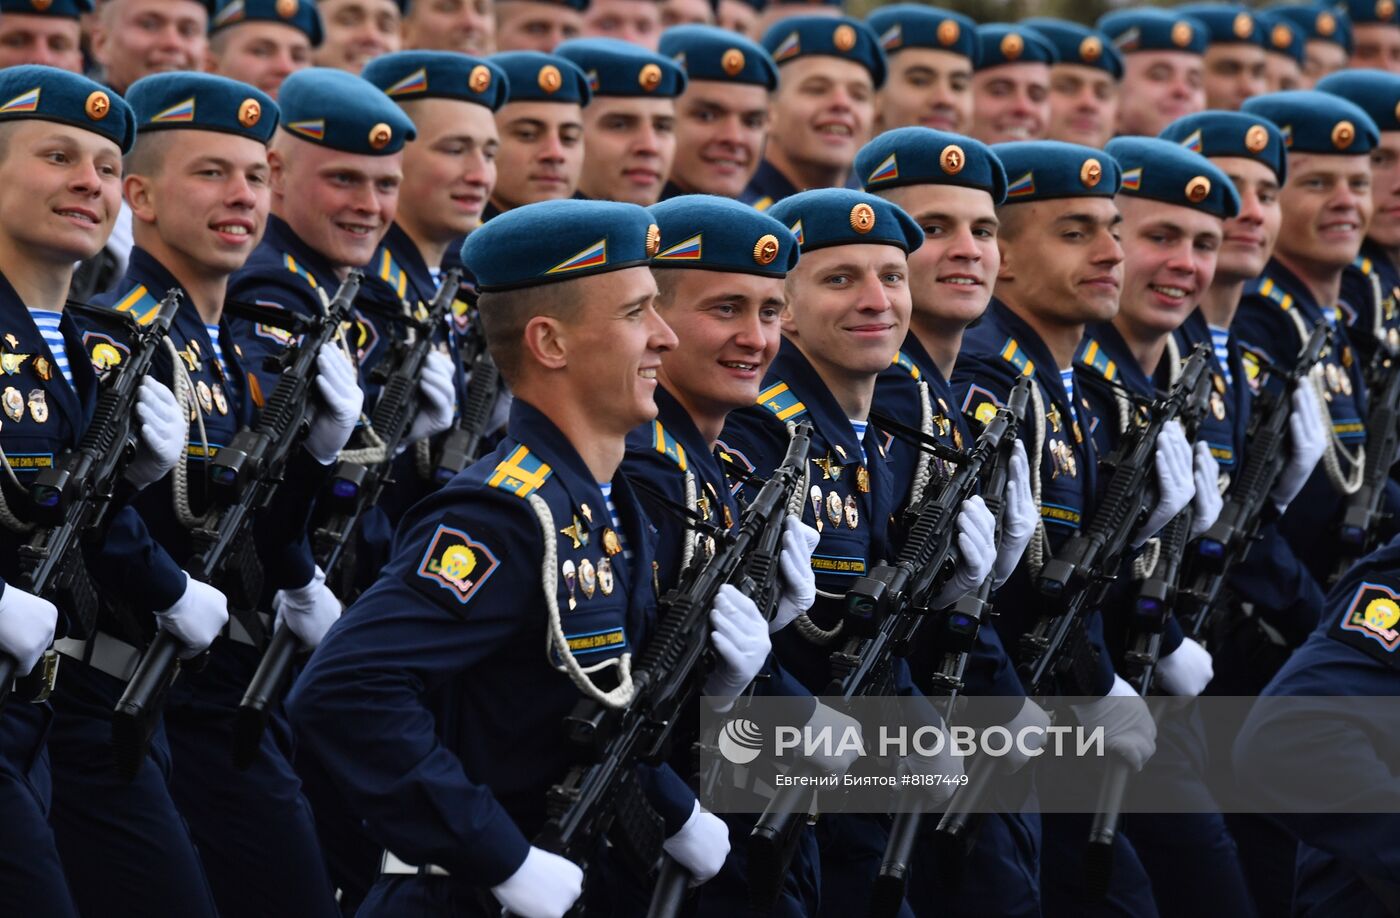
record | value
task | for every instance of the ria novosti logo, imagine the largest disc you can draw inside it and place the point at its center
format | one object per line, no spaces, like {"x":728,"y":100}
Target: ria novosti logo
{"x":741,"y":741}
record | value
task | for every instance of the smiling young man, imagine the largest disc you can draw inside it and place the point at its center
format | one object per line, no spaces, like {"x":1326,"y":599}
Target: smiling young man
{"x":462,"y":26}
{"x":357,"y":31}
{"x":1327,"y":39}
{"x":932,"y":54}
{"x":1084,"y":83}
{"x":1375,"y":27}
{"x":537,"y":25}
{"x":463,"y":658}
{"x":722,"y":117}
{"x":829,"y":70}
{"x":1234,"y":60}
{"x":49,"y":34}
{"x":629,"y":128}
{"x":1011,"y":88}
{"x":1163,"y":73}
{"x":1285,"y":52}
{"x":134,"y":38}
{"x":262,"y":42}
{"x":637,"y":22}
{"x":540,"y":127}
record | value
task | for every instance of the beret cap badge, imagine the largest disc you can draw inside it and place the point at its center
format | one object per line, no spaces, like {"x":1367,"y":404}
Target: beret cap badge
{"x":98,"y":105}
{"x":862,"y":218}
{"x":1385,"y":9}
{"x":249,"y":113}
{"x":1090,"y":49}
{"x":550,"y":78}
{"x":380,"y":135}
{"x":948,"y":32}
{"x":765,"y":250}
{"x":844,"y":38}
{"x":1326,"y":23}
{"x":286,"y":8}
{"x":1243,"y":25}
{"x":480,"y":78}
{"x":1256,"y":138}
{"x":41,"y":5}
{"x":1181,"y":34}
{"x":1343,"y":134}
{"x":1091,"y":172}
{"x":649,"y":77}
{"x":952,"y":159}
{"x":732,"y":61}
{"x":653,"y":243}
{"x":1012,"y":45}
{"x":1197,"y":189}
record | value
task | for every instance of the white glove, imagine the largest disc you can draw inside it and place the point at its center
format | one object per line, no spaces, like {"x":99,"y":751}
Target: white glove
{"x":1185,"y":671}
{"x":544,"y":886}
{"x":1175,"y":486}
{"x":309,"y":611}
{"x":795,"y":576}
{"x":161,"y":436}
{"x":843,"y":756}
{"x":740,"y":638}
{"x":700,"y":846}
{"x":439,"y":398}
{"x":196,"y":618}
{"x":977,"y":544}
{"x":948,"y":764}
{"x":27,"y":624}
{"x":333,"y":420}
{"x":1030,"y":715}
{"x":1207,"y":502}
{"x":1018,"y":519}
{"x":1129,"y":730}
{"x":1309,"y":438}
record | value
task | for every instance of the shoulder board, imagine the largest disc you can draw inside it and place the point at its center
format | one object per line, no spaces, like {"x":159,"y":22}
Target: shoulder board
{"x":1265,"y":287}
{"x":140,"y":304}
{"x":1011,"y":352}
{"x":780,"y":400}
{"x":902,"y":361}
{"x":1092,"y":356}
{"x":666,"y":445}
{"x":763,"y":203}
{"x":392,"y":274}
{"x":295,"y":268}
{"x":1363,"y":264}
{"x":520,"y":473}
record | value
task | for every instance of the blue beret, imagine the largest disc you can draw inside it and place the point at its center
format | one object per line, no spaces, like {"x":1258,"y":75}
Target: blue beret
{"x":720,"y":234}
{"x":1216,"y":133}
{"x":1043,"y":170}
{"x":708,"y":53}
{"x":1154,"y":30}
{"x":202,"y":102}
{"x":63,"y":9}
{"x":554,"y":241}
{"x":1227,"y":23}
{"x":843,"y":37}
{"x":344,"y":112}
{"x":1163,"y":171}
{"x":408,"y":75}
{"x":1369,"y":12}
{"x":826,"y":217}
{"x":299,"y":14}
{"x":1318,"y":23}
{"x":619,"y":68}
{"x":532,"y":76}
{"x":31,"y":91}
{"x":1317,"y":122}
{"x":1376,"y":92}
{"x":1283,"y":36}
{"x":1078,"y":44}
{"x":923,"y":156}
{"x":1002,"y":43}
{"x":912,"y":25}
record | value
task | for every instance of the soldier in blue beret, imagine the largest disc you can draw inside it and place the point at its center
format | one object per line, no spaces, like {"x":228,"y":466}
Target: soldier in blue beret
{"x":636,"y":22}
{"x":39,"y":32}
{"x":824,"y":109}
{"x":1011,"y":88}
{"x":1285,"y":52}
{"x":357,"y":31}
{"x":722,"y":117}
{"x":847,"y":314}
{"x":688,"y":12}
{"x":262,"y":42}
{"x":740,"y":17}
{"x":1375,"y":28}
{"x":541,"y":130}
{"x":1327,"y":37}
{"x":62,"y":137}
{"x":463,"y":26}
{"x":1234,"y":57}
{"x":951,"y":185}
{"x":1084,"y":82}
{"x":1163,"y":70}
{"x":932,"y":54}
{"x":630,"y":126}
{"x":453,"y":783}
{"x":537,"y":25}
{"x":135,"y":38}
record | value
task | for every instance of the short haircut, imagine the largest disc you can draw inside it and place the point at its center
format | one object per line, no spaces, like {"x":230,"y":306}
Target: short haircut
{"x":147,"y":154}
{"x":1011,"y":219}
{"x":504,"y":315}
{"x":667,"y":280}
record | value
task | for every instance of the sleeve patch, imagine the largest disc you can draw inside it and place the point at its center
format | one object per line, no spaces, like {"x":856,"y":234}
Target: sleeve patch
{"x":1370,"y":620}
{"x":980,"y":404}
{"x":457,"y":563}
{"x":104,"y":351}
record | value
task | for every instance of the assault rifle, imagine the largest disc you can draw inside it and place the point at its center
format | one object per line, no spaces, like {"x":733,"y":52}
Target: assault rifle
{"x":462,"y":446}
{"x":1365,"y":508}
{"x":244,"y":477}
{"x":70,"y":500}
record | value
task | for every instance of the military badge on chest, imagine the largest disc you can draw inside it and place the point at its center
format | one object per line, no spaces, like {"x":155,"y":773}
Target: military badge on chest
{"x":1062,"y":458}
{"x":587,"y":577}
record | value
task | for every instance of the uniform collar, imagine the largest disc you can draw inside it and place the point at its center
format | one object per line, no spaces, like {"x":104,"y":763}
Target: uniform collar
{"x":530,"y":427}
{"x":1047,"y":370}
{"x":793,"y":368}
{"x":404,"y":251}
{"x":1129,"y":373}
{"x":1290,"y":284}
{"x":281,"y":238}
{"x":768,"y":182}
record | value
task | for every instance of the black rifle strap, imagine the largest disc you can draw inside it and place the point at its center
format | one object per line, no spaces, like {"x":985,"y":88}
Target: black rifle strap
{"x":917,"y":438}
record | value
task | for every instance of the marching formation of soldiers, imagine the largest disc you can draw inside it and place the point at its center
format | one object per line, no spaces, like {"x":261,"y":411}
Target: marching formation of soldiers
{"x":395,"y":390}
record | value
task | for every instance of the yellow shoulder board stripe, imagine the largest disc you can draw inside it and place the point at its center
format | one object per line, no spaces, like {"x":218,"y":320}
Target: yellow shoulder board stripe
{"x":520,"y":473}
{"x":781,"y":401}
{"x":667,"y":446}
{"x":141,"y":304}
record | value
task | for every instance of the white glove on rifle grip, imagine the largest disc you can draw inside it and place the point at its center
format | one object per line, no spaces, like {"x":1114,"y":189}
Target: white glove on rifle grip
{"x":740,"y":639}
{"x":1308,"y":438}
{"x":1018,"y":519}
{"x":1175,"y":484}
{"x":1129,"y":729}
{"x":27,"y":624}
{"x":333,"y":418}
{"x":544,"y":886}
{"x":196,"y":618}
{"x":700,"y":846}
{"x":160,"y":437}
{"x":796,"y":577}
{"x":1207,"y":502}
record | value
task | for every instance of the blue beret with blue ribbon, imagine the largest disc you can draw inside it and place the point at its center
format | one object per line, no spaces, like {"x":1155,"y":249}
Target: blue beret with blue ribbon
{"x":407,"y":75}
{"x":913,"y":25}
{"x":719,"y":55}
{"x":1164,"y":171}
{"x":827,"y":36}
{"x":553,"y":241}
{"x":32,"y":91}
{"x":532,"y":76}
{"x":301,"y":15}
{"x":202,"y":102}
{"x":1227,"y":23}
{"x":619,"y":68}
{"x":332,"y":108}
{"x":720,"y":234}
{"x":1079,"y":44}
{"x":825,"y":217}
{"x":59,"y":9}
{"x":1319,"y":23}
{"x":1234,"y":134}
{"x":1002,"y":43}
{"x":1369,"y":12}
{"x":1317,"y":122}
{"x":923,"y":156}
{"x":1044,"y":170}
{"x":1154,"y":30}
{"x":1377,"y":92}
